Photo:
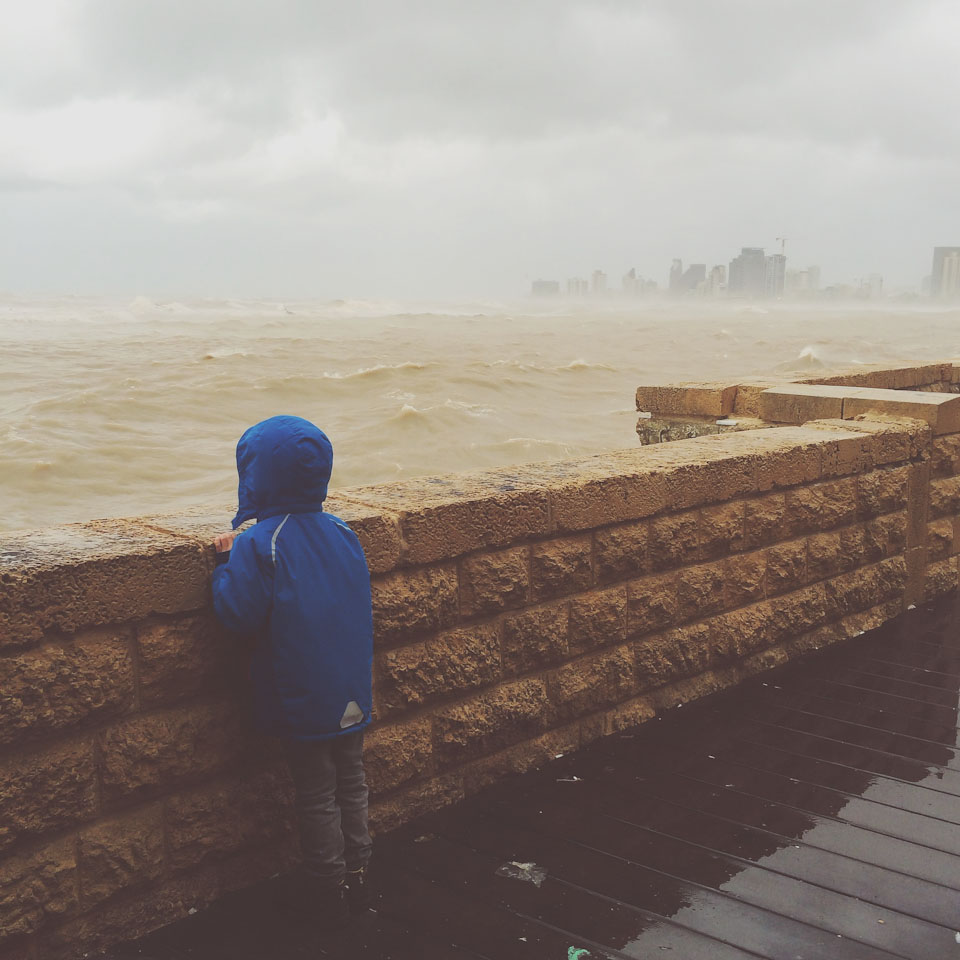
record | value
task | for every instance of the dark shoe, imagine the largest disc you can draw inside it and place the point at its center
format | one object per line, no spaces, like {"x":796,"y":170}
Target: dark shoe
{"x":359,"y":894}
{"x":330,"y":910}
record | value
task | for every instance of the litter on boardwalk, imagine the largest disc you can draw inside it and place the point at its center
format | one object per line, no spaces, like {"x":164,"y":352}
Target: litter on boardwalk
{"x":528,"y":872}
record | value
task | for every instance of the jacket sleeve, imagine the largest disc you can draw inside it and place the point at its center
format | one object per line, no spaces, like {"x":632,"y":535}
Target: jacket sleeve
{"x":243,"y":588}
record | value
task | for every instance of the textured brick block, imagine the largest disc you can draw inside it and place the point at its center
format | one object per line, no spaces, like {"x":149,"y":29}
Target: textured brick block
{"x":62,"y":685}
{"x":673,"y":654}
{"x":798,"y":403}
{"x":651,"y":604}
{"x":181,"y":658}
{"x":407,"y":604}
{"x":591,"y":683}
{"x":145,"y":752}
{"x":721,"y":529}
{"x":883,"y":491}
{"x":46,"y":791}
{"x":826,"y":554}
{"x":744,"y":578}
{"x":918,"y":512}
{"x":521,"y":758}
{"x":396,"y":753}
{"x":259,"y":810}
{"x":490,"y":582}
{"x":884,"y":536}
{"x":491,"y":721}
{"x":447,"y":516}
{"x":601,"y":492}
{"x":700,"y":399}
{"x":452,"y":662}
{"x":743,"y":631}
{"x":674,"y":540}
{"x":786,"y":567}
{"x":941,"y":411}
{"x":944,"y":497}
{"x":377,"y":530}
{"x":800,"y":611}
{"x":598,"y":618}
{"x":560,"y":567}
{"x":535,"y":638}
{"x":866,"y":587}
{"x":89,"y":574}
{"x":941,"y":578}
{"x":940,"y":539}
{"x":417,"y":800}
{"x":822,"y":505}
{"x":36,"y":888}
{"x":945,"y":456}
{"x":621,"y":552}
{"x":764,"y":520}
{"x":699,"y":591}
{"x":122,"y":852}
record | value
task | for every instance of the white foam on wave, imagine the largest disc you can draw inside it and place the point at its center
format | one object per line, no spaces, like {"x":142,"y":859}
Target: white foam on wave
{"x":376,"y":369}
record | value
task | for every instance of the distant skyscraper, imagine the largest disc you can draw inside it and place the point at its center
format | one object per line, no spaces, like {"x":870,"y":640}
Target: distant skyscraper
{"x":632,"y":284}
{"x":693,"y":276}
{"x":716,"y":280}
{"x":748,"y":273}
{"x":941,"y":266}
{"x":774,"y":275}
{"x":599,"y":283}
{"x":545,"y":288}
{"x":950,"y":276}
{"x":577,"y":287}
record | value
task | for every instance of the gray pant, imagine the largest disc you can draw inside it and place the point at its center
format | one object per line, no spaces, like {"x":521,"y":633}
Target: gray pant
{"x":331,"y":805}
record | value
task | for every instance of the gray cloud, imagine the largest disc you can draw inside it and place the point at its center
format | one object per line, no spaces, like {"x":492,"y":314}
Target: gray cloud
{"x":417,"y":148}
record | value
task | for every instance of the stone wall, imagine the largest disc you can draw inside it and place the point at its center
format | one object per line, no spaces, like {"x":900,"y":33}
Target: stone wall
{"x":519,"y":614}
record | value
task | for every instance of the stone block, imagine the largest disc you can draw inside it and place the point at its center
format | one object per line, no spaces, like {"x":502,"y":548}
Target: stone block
{"x":447,"y":516}
{"x":940,"y":539}
{"x":945,"y":456}
{"x":749,"y":393}
{"x":146,"y":752}
{"x":944,"y":498}
{"x":699,"y":591}
{"x":744,"y":579}
{"x":651,"y":604}
{"x":703,"y":399}
{"x":789,"y":456}
{"x":91,"y":574}
{"x":798,"y":403}
{"x":377,"y":530}
{"x":621,"y":551}
{"x":865,"y":587}
{"x":624,"y":716}
{"x":61,"y":685}
{"x":765,"y":520}
{"x":122,"y":852}
{"x":219,"y":818}
{"x":826,"y":556}
{"x":674,"y":540}
{"x":742,"y":631}
{"x":885,"y":536}
{"x":184,"y":657}
{"x":941,"y":578}
{"x":673,"y":654}
{"x":786,"y":567}
{"x":453,"y":662}
{"x":721,"y":529}
{"x":37,"y":888}
{"x":491,"y":582}
{"x":822,"y":506}
{"x":415,"y":801}
{"x":560,"y":567}
{"x":800,"y":611}
{"x":591,"y":683}
{"x":884,"y":440}
{"x":521,"y":758}
{"x":47,"y":790}
{"x":408,"y":604}
{"x":883,"y":491}
{"x":940,"y":410}
{"x":491,"y":721}
{"x":396,"y":753}
{"x":535,"y":638}
{"x":598,"y":618}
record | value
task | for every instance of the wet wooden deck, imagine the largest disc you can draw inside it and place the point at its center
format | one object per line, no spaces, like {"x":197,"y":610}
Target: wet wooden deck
{"x":813,"y":813}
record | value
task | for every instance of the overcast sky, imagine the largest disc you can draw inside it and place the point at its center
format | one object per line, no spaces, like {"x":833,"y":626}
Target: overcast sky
{"x":295,"y":148}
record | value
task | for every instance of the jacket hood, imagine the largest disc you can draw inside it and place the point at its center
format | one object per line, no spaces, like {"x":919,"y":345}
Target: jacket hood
{"x":284,"y":466}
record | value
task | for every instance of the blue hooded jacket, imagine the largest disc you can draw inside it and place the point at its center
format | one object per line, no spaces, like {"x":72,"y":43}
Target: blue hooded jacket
{"x":299,"y":582}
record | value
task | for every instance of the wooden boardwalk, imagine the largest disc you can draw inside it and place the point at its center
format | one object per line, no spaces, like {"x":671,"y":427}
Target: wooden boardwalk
{"x":812,"y":813}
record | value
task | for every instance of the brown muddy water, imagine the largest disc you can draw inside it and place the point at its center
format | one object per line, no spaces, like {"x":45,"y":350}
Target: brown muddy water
{"x":117,"y":408}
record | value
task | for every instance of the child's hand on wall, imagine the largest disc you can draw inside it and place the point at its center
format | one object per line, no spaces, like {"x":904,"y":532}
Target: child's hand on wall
{"x":224,"y":542}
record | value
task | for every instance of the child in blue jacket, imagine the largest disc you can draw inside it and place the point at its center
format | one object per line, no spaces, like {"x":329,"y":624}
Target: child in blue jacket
{"x":299,"y":582}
